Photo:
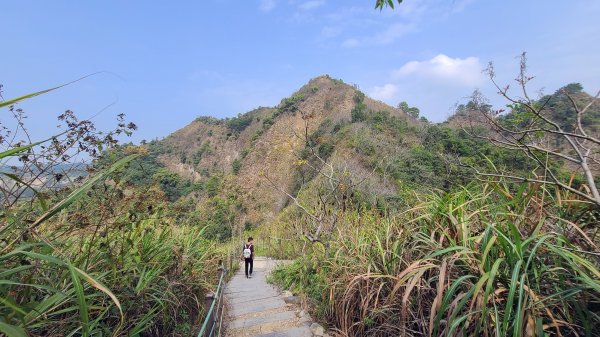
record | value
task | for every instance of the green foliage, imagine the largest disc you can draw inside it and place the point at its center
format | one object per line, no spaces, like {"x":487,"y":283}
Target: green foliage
{"x":236,"y":165}
{"x":359,"y":113}
{"x":239,"y":123}
{"x":290,"y":104}
{"x":218,"y":218}
{"x":108,"y":268}
{"x":244,"y":153}
{"x":557,"y":107}
{"x":209,"y":120}
{"x":268,"y":122}
{"x":336,"y":81}
{"x":173,"y":185}
{"x":325,"y":150}
{"x":9,"y":102}
{"x":107,"y":258}
{"x":411,"y":111}
{"x":146,"y":171}
{"x":385,"y":3}
{"x":305,"y":276}
{"x":256,"y":135}
{"x":203,"y":150}
{"x":358,"y":97}
{"x":213,"y":186}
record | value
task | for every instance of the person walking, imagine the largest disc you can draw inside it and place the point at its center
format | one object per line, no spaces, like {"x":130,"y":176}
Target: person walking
{"x":248,"y":256}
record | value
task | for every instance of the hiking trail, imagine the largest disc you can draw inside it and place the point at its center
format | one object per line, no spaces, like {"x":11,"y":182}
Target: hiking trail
{"x":256,"y":308}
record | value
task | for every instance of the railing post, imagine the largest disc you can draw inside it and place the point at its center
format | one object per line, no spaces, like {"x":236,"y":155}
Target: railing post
{"x":270,"y":249}
{"x":280,"y":249}
{"x":208,"y":300}
{"x":213,"y":305}
{"x":219,"y":312}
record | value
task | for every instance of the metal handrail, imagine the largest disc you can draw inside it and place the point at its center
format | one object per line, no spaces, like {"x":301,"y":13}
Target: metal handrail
{"x":209,"y":326}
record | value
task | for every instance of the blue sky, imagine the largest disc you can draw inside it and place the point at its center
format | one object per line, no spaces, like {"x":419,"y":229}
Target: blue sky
{"x":165,"y":63}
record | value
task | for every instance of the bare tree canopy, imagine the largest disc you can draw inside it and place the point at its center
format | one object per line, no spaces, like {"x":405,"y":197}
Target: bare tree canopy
{"x":556,"y":132}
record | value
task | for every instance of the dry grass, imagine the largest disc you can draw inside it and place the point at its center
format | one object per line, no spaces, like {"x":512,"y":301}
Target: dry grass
{"x":484,"y":261}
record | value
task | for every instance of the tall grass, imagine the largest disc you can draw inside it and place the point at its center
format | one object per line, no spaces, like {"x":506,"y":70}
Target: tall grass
{"x":136,"y":274}
{"x":103,"y":261}
{"x":483,"y":261}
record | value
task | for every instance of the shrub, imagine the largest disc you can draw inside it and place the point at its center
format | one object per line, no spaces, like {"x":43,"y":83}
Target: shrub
{"x":358,"y":97}
{"x":290,"y":104}
{"x":268,"y":122}
{"x":236,"y":165}
{"x":239,"y":123}
{"x":256,"y":135}
{"x":213,"y":185}
{"x":359,"y":113}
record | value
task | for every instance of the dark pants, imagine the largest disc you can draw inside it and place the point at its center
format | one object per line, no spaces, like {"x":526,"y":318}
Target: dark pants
{"x":249,"y":262}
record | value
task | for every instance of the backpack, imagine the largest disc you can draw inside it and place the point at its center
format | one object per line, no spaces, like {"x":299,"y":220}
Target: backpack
{"x":247,"y":251}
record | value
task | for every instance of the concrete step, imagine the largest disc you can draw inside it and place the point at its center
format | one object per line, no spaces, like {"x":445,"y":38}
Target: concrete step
{"x":250,"y":322}
{"x":256,"y":308}
{"x":302,"y":331}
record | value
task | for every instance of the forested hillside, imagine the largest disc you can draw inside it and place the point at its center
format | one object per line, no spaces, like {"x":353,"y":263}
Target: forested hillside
{"x":237,"y":171}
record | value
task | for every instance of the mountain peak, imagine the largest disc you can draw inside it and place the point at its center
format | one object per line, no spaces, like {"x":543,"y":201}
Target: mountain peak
{"x":238,"y":152}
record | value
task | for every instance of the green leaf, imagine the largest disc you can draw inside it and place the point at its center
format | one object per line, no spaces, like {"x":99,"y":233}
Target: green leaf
{"x":19,"y":149}
{"x":511,"y":296}
{"x":43,"y":307}
{"x":11,"y":330}
{"x":93,"y":282}
{"x":24,"y":97}
{"x":81,"y":302}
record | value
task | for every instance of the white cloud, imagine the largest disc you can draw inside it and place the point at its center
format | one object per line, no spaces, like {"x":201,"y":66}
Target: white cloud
{"x":350,"y":43}
{"x":267,"y":5}
{"x":329,"y":32}
{"x":308,"y":5}
{"x":460,"y":5}
{"x":393,"y":32}
{"x":414,"y":8}
{"x":442,"y":68}
{"x":374,"y":28}
{"x":386,"y":92}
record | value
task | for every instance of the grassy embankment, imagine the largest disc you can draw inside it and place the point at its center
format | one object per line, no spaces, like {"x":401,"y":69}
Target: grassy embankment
{"x":486,"y":260}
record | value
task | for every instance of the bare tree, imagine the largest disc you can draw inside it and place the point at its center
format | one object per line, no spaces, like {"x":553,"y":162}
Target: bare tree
{"x":52,"y":164}
{"x":542,"y":138}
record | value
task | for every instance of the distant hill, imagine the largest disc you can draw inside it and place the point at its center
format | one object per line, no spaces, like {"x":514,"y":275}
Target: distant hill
{"x":57,"y":177}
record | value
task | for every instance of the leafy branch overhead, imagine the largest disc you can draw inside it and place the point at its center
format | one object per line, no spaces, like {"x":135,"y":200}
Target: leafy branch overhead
{"x":385,"y":3}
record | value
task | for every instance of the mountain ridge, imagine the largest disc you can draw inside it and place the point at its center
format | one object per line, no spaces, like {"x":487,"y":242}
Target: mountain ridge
{"x":240,"y":172}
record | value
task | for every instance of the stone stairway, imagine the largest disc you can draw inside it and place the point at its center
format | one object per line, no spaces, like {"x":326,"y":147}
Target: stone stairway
{"x":255,"y":308}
